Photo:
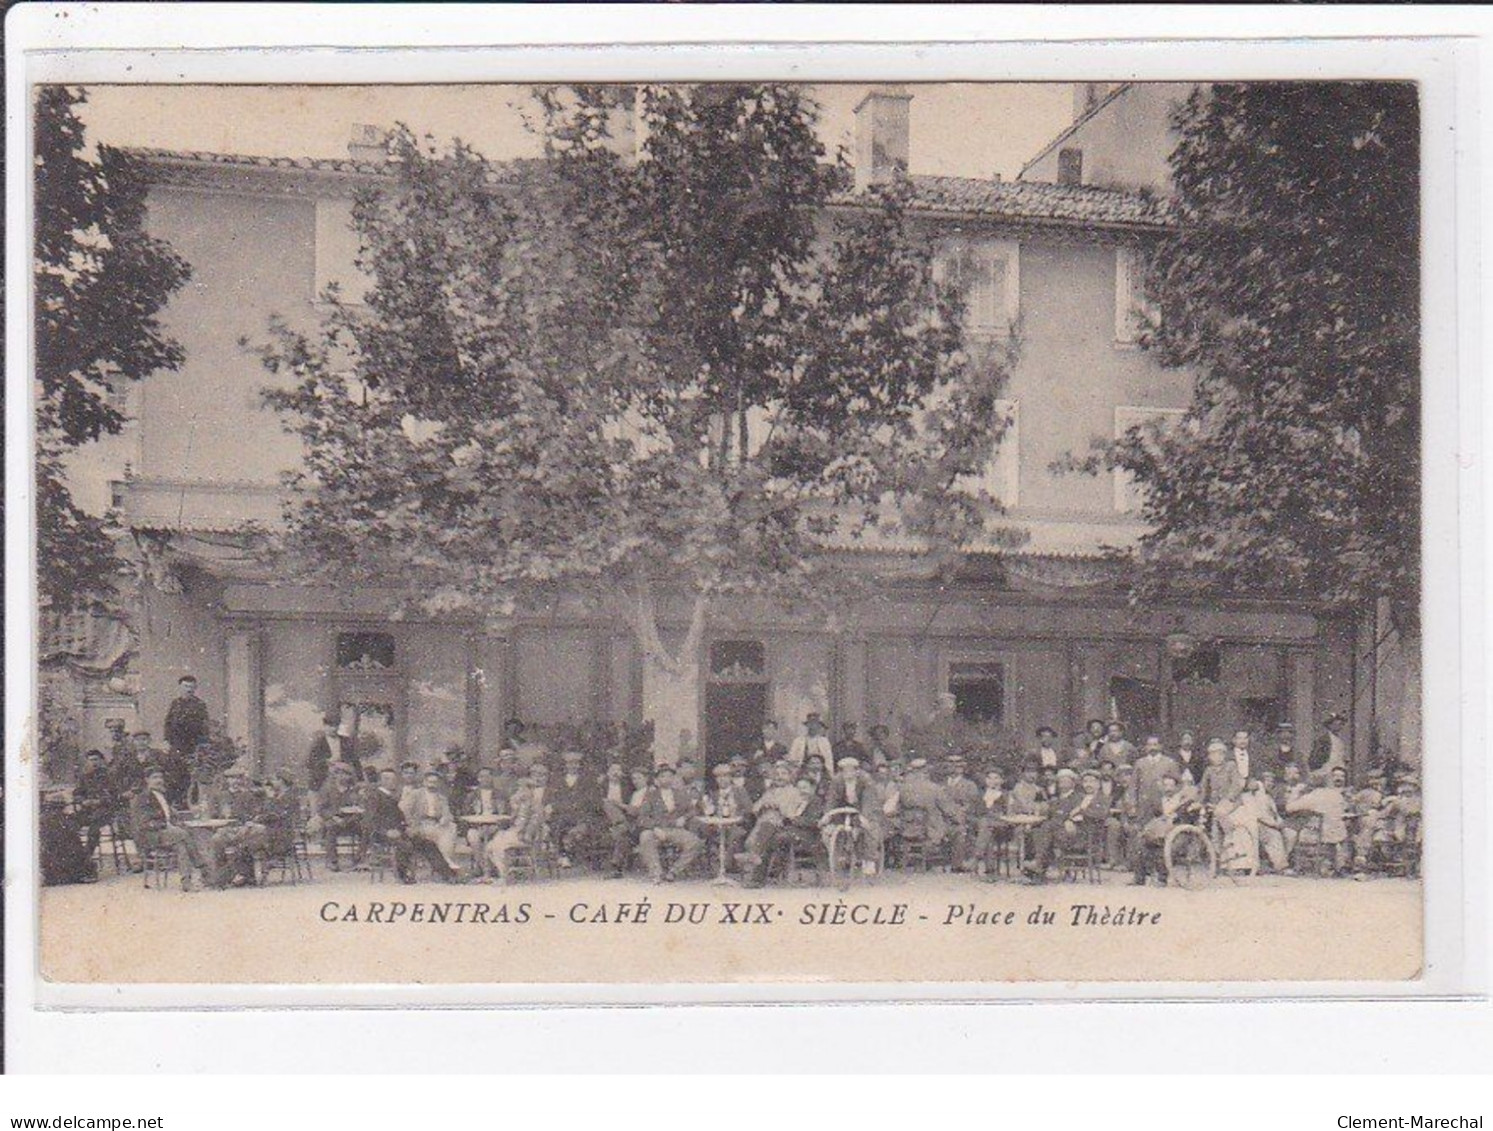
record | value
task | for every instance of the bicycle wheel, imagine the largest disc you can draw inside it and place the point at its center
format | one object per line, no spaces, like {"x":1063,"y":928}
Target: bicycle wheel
{"x":1190,"y":859}
{"x":842,"y":862}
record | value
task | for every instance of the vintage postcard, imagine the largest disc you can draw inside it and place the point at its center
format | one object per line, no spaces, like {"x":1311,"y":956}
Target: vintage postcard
{"x":745,"y":533}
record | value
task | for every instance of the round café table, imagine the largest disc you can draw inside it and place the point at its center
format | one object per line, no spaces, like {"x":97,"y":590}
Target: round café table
{"x":720,"y":825}
{"x":493,"y":821}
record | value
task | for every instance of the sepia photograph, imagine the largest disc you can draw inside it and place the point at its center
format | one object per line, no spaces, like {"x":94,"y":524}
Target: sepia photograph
{"x":747,"y":533}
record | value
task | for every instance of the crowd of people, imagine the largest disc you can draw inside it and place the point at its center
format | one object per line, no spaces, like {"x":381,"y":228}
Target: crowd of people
{"x":467,"y":818}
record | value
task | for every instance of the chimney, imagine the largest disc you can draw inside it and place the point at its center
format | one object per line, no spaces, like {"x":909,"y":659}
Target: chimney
{"x":1070,"y":166}
{"x":369,"y":144}
{"x":1087,"y":95}
{"x":881,"y":136}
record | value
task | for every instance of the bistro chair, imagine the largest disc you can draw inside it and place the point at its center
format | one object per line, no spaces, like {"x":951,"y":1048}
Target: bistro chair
{"x":158,"y":864}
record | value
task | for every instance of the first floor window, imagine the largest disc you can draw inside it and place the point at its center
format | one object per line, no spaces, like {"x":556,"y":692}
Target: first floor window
{"x":979,"y":690}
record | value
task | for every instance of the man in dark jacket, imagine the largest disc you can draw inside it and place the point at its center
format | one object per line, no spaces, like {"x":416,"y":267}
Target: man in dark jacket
{"x":383,"y":822}
{"x":186,"y":720}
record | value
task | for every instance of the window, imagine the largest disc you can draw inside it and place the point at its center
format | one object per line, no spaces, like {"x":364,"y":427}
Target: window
{"x":979,"y":690}
{"x":337,"y":246}
{"x":1204,"y":666}
{"x":1128,"y":497}
{"x":988,"y":272}
{"x":738,"y":660}
{"x":365,"y":651}
{"x":1070,"y":166}
{"x":1133,"y":310}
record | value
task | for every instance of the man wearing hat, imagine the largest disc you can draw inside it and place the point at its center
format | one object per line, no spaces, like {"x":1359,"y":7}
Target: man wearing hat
{"x":1076,"y":816}
{"x":848,"y":745}
{"x":665,"y":818}
{"x":814,"y":740}
{"x":154,"y":824}
{"x":341,"y":791}
{"x":924,"y":803}
{"x":575,"y":808}
{"x":853,"y":788}
{"x":1285,"y":753}
{"x":1047,"y":749}
{"x":1145,"y":783}
{"x":1330,"y":749}
{"x":728,"y":800}
{"x":326,"y":748}
{"x":186,"y":721}
{"x":233,"y":847}
{"x":964,"y":793}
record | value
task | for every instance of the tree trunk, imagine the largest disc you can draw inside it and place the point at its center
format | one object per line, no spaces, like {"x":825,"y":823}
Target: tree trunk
{"x":671,"y":678}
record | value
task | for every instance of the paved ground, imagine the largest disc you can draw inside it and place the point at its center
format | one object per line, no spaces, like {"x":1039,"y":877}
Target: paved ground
{"x":583,"y":929}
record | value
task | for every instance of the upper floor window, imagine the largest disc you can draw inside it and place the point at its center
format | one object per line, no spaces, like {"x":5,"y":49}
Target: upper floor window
{"x":1134,"y":311}
{"x":337,"y":247}
{"x":1129,"y":497}
{"x":988,"y":272}
{"x":365,"y":651}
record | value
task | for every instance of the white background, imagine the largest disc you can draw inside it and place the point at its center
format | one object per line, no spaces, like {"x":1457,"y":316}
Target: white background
{"x":1130,"y":1037}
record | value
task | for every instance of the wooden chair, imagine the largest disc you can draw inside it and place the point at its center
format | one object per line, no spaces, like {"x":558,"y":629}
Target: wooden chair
{"x":293,"y":864}
{"x":118,"y":849}
{"x":1080,"y":862}
{"x":1311,"y":856}
{"x":158,"y":864}
{"x":379,"y":860}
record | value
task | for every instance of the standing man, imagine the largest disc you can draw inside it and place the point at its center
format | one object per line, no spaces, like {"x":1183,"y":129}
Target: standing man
{"x":1117,"y":748}
{"x":1150,"y":769}
{"x":326,"y":748}
{"x":814,"y":740}
{"x":1240,"y":754}
{"x":186,"y":722}
{"x":1331,"y":749}
{"x":1047,"y":749}
{"x":848,"y":746}
{"x":1188,"y":760}
{"x":483,"y":800}
{"x":1285,"y":749}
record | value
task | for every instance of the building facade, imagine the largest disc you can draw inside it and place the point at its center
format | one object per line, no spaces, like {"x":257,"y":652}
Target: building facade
{"x":1045,"y":636}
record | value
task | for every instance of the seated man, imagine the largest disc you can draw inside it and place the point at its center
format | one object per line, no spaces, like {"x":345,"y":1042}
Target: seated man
{"x":617,"y":794}
{"x":664,"y":818}
{"x":925,"y":805}
{"x":94,"y":801}
{"x":1077,"y":818}
{"x":1329,"y":805}
{"x":800,"y":832}
{"x":1179,"y":800}
{"x":991,"y":831}
{"x":779,"y":802}
{"x":729,"y":801}
{"x":341,"y":791}
{"x":526,"y":807}
{"x":853,"y":788}
{"x":155,"y":825}
{"x":383,"y":822}
{"x":483,"y":800}
{"x":1271,"y":825}
{"x":282,"y":815}
{"x":1398,"y":829}
{"x":573,"y":808}
{"x":428,"y":819}
{"x":233,"y":847}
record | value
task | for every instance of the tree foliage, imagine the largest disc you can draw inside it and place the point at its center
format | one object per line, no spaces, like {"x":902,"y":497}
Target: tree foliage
{"x":681,"y":372}
{"x":100,"y":282}
{"x":1290,"y":287}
